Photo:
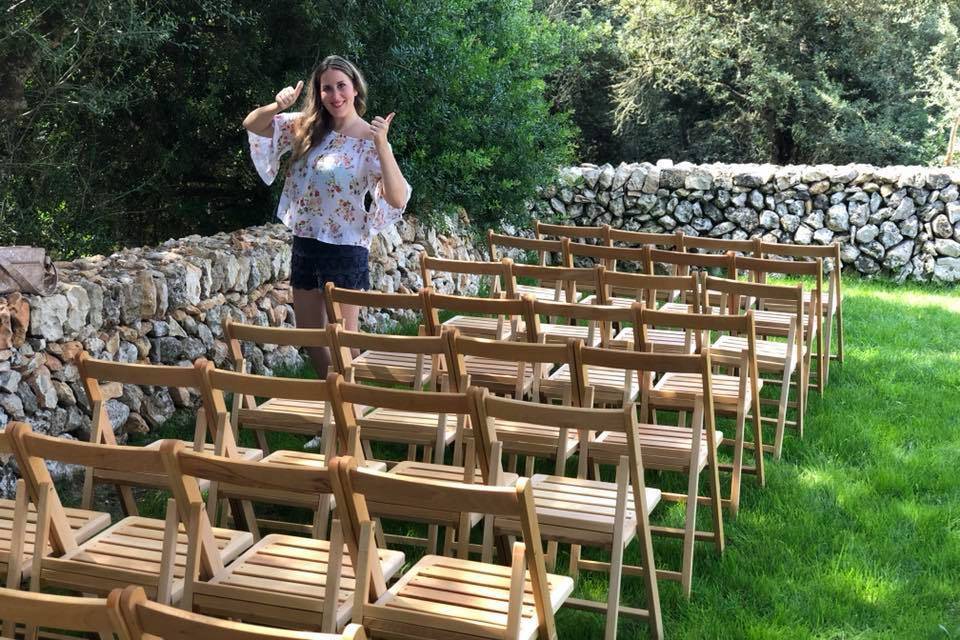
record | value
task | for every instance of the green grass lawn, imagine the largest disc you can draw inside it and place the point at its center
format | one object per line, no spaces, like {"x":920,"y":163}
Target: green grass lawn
{"x":857,"y":534}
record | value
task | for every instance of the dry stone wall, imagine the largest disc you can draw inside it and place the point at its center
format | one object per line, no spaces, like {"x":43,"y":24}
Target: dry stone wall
{"x":166,"y":304}
{"x":897,"y":222}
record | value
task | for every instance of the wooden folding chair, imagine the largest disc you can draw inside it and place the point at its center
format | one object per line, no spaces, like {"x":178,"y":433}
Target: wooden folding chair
{"x":518,"y":438}
{"x":498,"y":274}
{"x":735,"y":393}
{"x":690,"y":451}
{"x":441,"y":597}
{"x":579,"y":511}
{"x":18,"y":527}
{"x":681,"y":263}
{"x":612,"y":387}
{"x":301,"y":417}
{"x":101,"y":432}
{"x":667,"y":241}
{"x":100,"y":616}
{"x":647,"y":290}
{"x":542,"y":289}
{"x":427,"y":406}
{"x":383,"y":367}
{"x":282,"y":580}
{"x":216,"y":383}
{"x":433,"y":432}
{"x":706,"y":244}
{"x":576,"y":233}
{"x":832,"y":300}
{"x":629,"y":259}
{"x":136,"y":550}
{"x":146,"y":620}
{"x":783,"y":358}
{"x":498,"y":376}
{"x":775,"y":322}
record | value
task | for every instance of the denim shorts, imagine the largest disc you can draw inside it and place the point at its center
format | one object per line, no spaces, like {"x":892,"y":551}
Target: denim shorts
{"x":314,"y":263}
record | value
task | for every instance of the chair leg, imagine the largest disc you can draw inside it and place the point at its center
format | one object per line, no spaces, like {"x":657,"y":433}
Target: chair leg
{"x":737,"y":472}
{"x":782,"y":412}
{"x":616,"y":552}
{"x":574,"y":570}
{"x":689,"y":534}
{"x":840,"y":332}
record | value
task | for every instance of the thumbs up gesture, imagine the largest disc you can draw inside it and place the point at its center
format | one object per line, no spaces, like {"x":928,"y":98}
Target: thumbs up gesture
{"x":379,"y":127}
{"x":288,"y":95}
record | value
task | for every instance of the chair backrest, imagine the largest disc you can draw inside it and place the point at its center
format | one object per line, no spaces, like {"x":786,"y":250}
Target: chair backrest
{"x":684,"y":262}
{"x":643,"y":238}
{"x":706,"y":244}
{"x":565,"y":280}
{"x":236,"y":332}
{"x":810,"y":251}
{"x":335,"y":296}
{"x":648,"y":288}
{"x":514,"y":308}
{"x":537,"y":354}
{"x":66,"y":613}
{"x":356,"y":486}
{"x":497,"y":271}
{"x":701,"y":325}
{"x":32,"y":450}
{"x":573,"y":232}
{"x":543,"y":248}
{"x":93,"y":371}
{"x":760,"y":268}
{"x":634,"y":258}
{"x":147,"y":620}
{"x":600,"y":318}
{"x":217,"y":382}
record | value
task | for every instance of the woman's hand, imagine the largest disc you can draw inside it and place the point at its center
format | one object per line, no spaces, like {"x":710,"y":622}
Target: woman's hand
{"x":379,"y":128}
{"x":288,"y":95}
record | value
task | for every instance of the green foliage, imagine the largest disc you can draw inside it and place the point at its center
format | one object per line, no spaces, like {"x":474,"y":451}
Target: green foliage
{"x":121,"y":121}
{"x":790,"y":81}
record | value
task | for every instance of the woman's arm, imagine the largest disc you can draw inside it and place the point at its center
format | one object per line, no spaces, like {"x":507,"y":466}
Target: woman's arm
{"x":260,"y":120}
{"x":394,"y":185}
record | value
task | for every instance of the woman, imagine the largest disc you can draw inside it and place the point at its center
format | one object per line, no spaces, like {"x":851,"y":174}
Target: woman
{"x":337,"y":159}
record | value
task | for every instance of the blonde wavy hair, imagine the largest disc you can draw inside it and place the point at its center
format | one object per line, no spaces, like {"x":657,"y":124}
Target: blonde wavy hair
{"x":315,"y":121}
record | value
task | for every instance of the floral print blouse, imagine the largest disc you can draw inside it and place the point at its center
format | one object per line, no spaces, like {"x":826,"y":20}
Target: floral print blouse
{"x":323,"y":195}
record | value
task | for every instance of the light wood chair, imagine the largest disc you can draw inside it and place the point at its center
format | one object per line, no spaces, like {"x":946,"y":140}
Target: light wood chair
{"x":687,"y":450}
{"x":282,"y":580}
{"x":431,"y":431}
{"x":682,"y":263}
{"x":216,"y":383}
{"x":596,"y":234}
{"x":542,"y":289}
{"x":667,"y":241}
{"x":136,"y":550}
{"x":786,"y":359}
{"x":428,"y":407}
{"x":18,"y":526}
{"x":706,"y":244}
{"x":582,"y":512}
{"x":441,"y":597}
{"x":776,"y":322}
{"x":611,"y":387}
{"x":518,"y":438}
{"x":99,"y":616}
{"x":735,"y":393}
{"x":497,"y":274}
{"x":92,"y":372}
{"x":383,"y":367}
{"x":301,"y":417}
{"x":647,"y":290}
{"x":629,"y":259}
{"x":146,"y":620}
{"x":831,"y":301}
{"x":500,"y":377}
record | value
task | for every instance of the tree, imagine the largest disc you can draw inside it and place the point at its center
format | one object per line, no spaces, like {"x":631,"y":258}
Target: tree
{"x":785,"y":81}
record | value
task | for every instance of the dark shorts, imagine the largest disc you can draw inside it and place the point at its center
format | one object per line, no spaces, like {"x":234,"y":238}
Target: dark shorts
{"x":315,"y":263}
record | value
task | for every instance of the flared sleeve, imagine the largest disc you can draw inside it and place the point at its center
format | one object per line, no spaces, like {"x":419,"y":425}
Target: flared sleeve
{"x":266,"y":152}
{"x":382,"y":214}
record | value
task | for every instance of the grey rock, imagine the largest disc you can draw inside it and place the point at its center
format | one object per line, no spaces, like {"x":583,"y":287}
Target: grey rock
{"x":889,"y":234}
{"x":947,"y":247}
{"x":698,"y":180}
{"x":867,"y":233}
{"x":949,"y":193}
{"x":723,"y":198}
{"x":167,"y":350}
{"x":942,"y":227}
{"x":12,"y":405}
{"x":769,"y":219}
{"x":674,"y":177}
{"x":667,"y":222}
{"x":746,"y":219}
{"x":873,"y":250}
{"x":756,"y":200}
{"x":157,"y":408}
{"x":899,"y":256}
{"x":702,"y":225}
{"x":789,"y":222}
{"x":590,"y":176}
{"x":947,"y":270}
{"x":910,"y":227}
{"x":953,"y":212}
{"x":849,"y":253}
{"x":838,"y":218}
{"x":937,"y":179}
{"x":904,"y":210}
{"x":722,"y":228}
{"x":47,"y":316}
{"x":859,"y":213}
{"x":823,"y":236}
{"x":128,"y":352}
{"x":866,"y":265}
{"x":651,"y":183}
{"x":132,"y":396}
{"x":684,"y":211}
{"x":29,"y":399}
{"x":9,"y":381}
{"x":117,"y":413}
{"x":193,"y":348}
{"x":804,"y":235}
{"x":814,"y":220}
{"x":606,"y":176}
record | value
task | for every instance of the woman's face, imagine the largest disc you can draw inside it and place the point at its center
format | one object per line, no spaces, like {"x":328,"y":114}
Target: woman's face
{"x":337,"y":93}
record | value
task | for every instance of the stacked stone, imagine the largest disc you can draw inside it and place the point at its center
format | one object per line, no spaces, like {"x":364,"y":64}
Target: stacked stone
{"x":166,"y":305}
{"x":895,"y":221}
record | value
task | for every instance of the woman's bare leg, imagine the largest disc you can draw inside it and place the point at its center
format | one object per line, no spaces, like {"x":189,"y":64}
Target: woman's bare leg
{"x":311,"y":312}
